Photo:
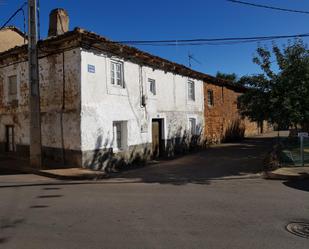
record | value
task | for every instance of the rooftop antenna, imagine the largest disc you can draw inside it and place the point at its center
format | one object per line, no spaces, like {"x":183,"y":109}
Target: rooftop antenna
{"x":192,"y":58}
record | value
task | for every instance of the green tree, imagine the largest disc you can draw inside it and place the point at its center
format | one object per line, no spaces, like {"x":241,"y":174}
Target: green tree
{"x":279,"y":96}
{"x":232,"y":77}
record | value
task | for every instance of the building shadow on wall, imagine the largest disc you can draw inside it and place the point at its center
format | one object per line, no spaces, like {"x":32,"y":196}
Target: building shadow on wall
{"x":234,"y":132}
{"x":182,"y":142}
{"x":106,"y":160}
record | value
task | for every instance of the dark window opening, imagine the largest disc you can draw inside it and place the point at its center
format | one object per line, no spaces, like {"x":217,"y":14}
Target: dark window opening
{"x":210,"y":98}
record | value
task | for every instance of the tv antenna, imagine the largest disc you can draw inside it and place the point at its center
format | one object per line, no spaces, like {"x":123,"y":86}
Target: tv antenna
{"x":191,"y":58}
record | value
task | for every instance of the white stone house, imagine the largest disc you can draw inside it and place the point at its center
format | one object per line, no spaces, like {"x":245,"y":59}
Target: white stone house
{"x":101,"y":102}
{"x":135,"y":108}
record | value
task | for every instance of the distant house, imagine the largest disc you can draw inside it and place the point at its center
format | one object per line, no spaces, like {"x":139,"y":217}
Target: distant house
{"x":11,"y":37}
{"x":102,"y":102}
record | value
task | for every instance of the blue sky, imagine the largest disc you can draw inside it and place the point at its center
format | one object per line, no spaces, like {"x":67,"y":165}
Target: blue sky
{"x":178,"y":19}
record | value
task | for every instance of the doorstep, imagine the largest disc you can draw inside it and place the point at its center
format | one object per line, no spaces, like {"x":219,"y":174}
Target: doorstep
{"x":71,"y":174}
{"x":22,"y":166}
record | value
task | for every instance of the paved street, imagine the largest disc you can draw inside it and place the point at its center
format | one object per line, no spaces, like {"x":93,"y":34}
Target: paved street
{"x":210,"y":199}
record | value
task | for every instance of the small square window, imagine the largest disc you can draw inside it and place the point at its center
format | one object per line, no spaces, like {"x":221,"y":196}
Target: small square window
{"x":192,"y":126}
{"x":210,"y":98}
{"x":119,"y":133}
{"x":191,"y":90}
{"x":117,"y":74}
{"x":152,"y":86}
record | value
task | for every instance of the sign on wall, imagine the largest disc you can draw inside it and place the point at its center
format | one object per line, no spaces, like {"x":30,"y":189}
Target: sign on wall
{"x":91,"y":68}
{"x":144,"y":128}
{"x":302,"y":134}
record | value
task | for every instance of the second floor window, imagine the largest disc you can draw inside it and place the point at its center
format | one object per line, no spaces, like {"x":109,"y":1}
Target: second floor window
{"x":191,"y":90}
{"x":152,"y":86}
{"x":117,"y":73}
{"x":210,"y":98}
{"x":12,"y":88}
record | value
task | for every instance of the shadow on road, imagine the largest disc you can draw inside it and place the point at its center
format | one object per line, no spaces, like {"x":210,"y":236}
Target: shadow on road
{"x":39,"y":206}
{"x":298,"y":184}
{"x":226,"y":161}
{"x":219,"y":162}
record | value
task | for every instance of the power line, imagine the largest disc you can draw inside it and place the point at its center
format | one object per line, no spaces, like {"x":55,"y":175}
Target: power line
{"x":268,"y":7}
{"x":212,"y":41}
{"x":24,"y":26}
{"x":39,"y":21}
{"x":14,"y":14}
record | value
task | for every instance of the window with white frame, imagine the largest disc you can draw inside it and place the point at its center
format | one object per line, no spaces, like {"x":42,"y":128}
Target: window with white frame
{"x":12,"y":88}
{"x":152,"y":86}
{"x":119,"y":134}
{"x":192,"y":126}
{"x":191,"y":90}
{"x":117,"y":73}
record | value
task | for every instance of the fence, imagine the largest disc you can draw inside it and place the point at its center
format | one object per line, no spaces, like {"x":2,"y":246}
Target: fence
{"x":291,"y":154}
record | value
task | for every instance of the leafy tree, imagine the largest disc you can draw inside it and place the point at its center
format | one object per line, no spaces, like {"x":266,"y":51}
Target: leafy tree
{"x":232,"y":77}
{"x":255,"y":102}
{"x":281,"y":96}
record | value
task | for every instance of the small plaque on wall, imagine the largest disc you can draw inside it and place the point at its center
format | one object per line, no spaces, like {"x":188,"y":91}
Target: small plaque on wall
{"x":91,"y":68}
{"x":144,"y":128}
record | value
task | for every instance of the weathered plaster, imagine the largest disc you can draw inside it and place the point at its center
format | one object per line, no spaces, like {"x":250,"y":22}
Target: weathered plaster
{"x":60,"y":117}
{"x":102,"y":103}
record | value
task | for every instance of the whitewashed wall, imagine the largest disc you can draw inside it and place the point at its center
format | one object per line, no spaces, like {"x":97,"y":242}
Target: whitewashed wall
{"x":102,"y":103}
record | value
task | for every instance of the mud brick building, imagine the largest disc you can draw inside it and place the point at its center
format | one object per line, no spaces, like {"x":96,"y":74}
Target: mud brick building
{"x":223,"y":121}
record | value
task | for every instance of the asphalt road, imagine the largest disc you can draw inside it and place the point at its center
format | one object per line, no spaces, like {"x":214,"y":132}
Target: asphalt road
{"x":217,"y":210}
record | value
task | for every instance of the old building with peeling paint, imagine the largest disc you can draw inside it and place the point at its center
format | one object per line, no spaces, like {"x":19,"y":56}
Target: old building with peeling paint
{"x":102,"y":103}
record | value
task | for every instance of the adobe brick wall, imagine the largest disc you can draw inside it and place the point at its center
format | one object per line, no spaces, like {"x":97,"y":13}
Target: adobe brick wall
{"x":222,"y":120}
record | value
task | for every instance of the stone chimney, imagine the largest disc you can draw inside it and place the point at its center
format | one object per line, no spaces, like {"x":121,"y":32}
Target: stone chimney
{"x":58,"y":22}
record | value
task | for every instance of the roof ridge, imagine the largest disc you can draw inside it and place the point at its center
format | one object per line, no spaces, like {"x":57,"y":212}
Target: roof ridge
{"x":16,"y":29}
{"x":133,"y":52}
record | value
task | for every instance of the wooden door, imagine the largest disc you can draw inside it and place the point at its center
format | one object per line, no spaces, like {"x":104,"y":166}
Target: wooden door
{"x":156,"y":138}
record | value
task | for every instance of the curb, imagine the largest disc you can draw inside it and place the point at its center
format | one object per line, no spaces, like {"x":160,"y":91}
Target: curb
{"x":94,"y":176}
{"x":269,"y":175}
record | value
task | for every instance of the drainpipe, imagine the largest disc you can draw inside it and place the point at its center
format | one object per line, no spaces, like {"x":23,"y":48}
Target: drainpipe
{"x":62,"y":108}
{"x":143,"y":97}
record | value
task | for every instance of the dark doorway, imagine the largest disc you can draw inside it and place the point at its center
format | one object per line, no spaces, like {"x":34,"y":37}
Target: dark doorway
{"x":157,"y":141}
{"x":10,"y":141}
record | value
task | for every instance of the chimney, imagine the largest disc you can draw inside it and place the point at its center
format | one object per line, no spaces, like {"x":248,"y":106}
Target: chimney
{"x":58,"y":22}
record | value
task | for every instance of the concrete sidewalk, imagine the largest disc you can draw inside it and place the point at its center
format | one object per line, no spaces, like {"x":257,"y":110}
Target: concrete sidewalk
{"x":13,"y":166}
{"x":288,"y":173}
{"x":72,"y":174}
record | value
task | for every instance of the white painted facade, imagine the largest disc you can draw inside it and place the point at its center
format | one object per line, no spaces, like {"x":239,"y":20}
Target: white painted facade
{"x":103,"y":103}
{"x":79,"y":104}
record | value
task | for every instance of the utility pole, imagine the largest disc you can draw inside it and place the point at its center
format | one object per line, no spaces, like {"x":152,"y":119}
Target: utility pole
{"x":34,"y":90}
